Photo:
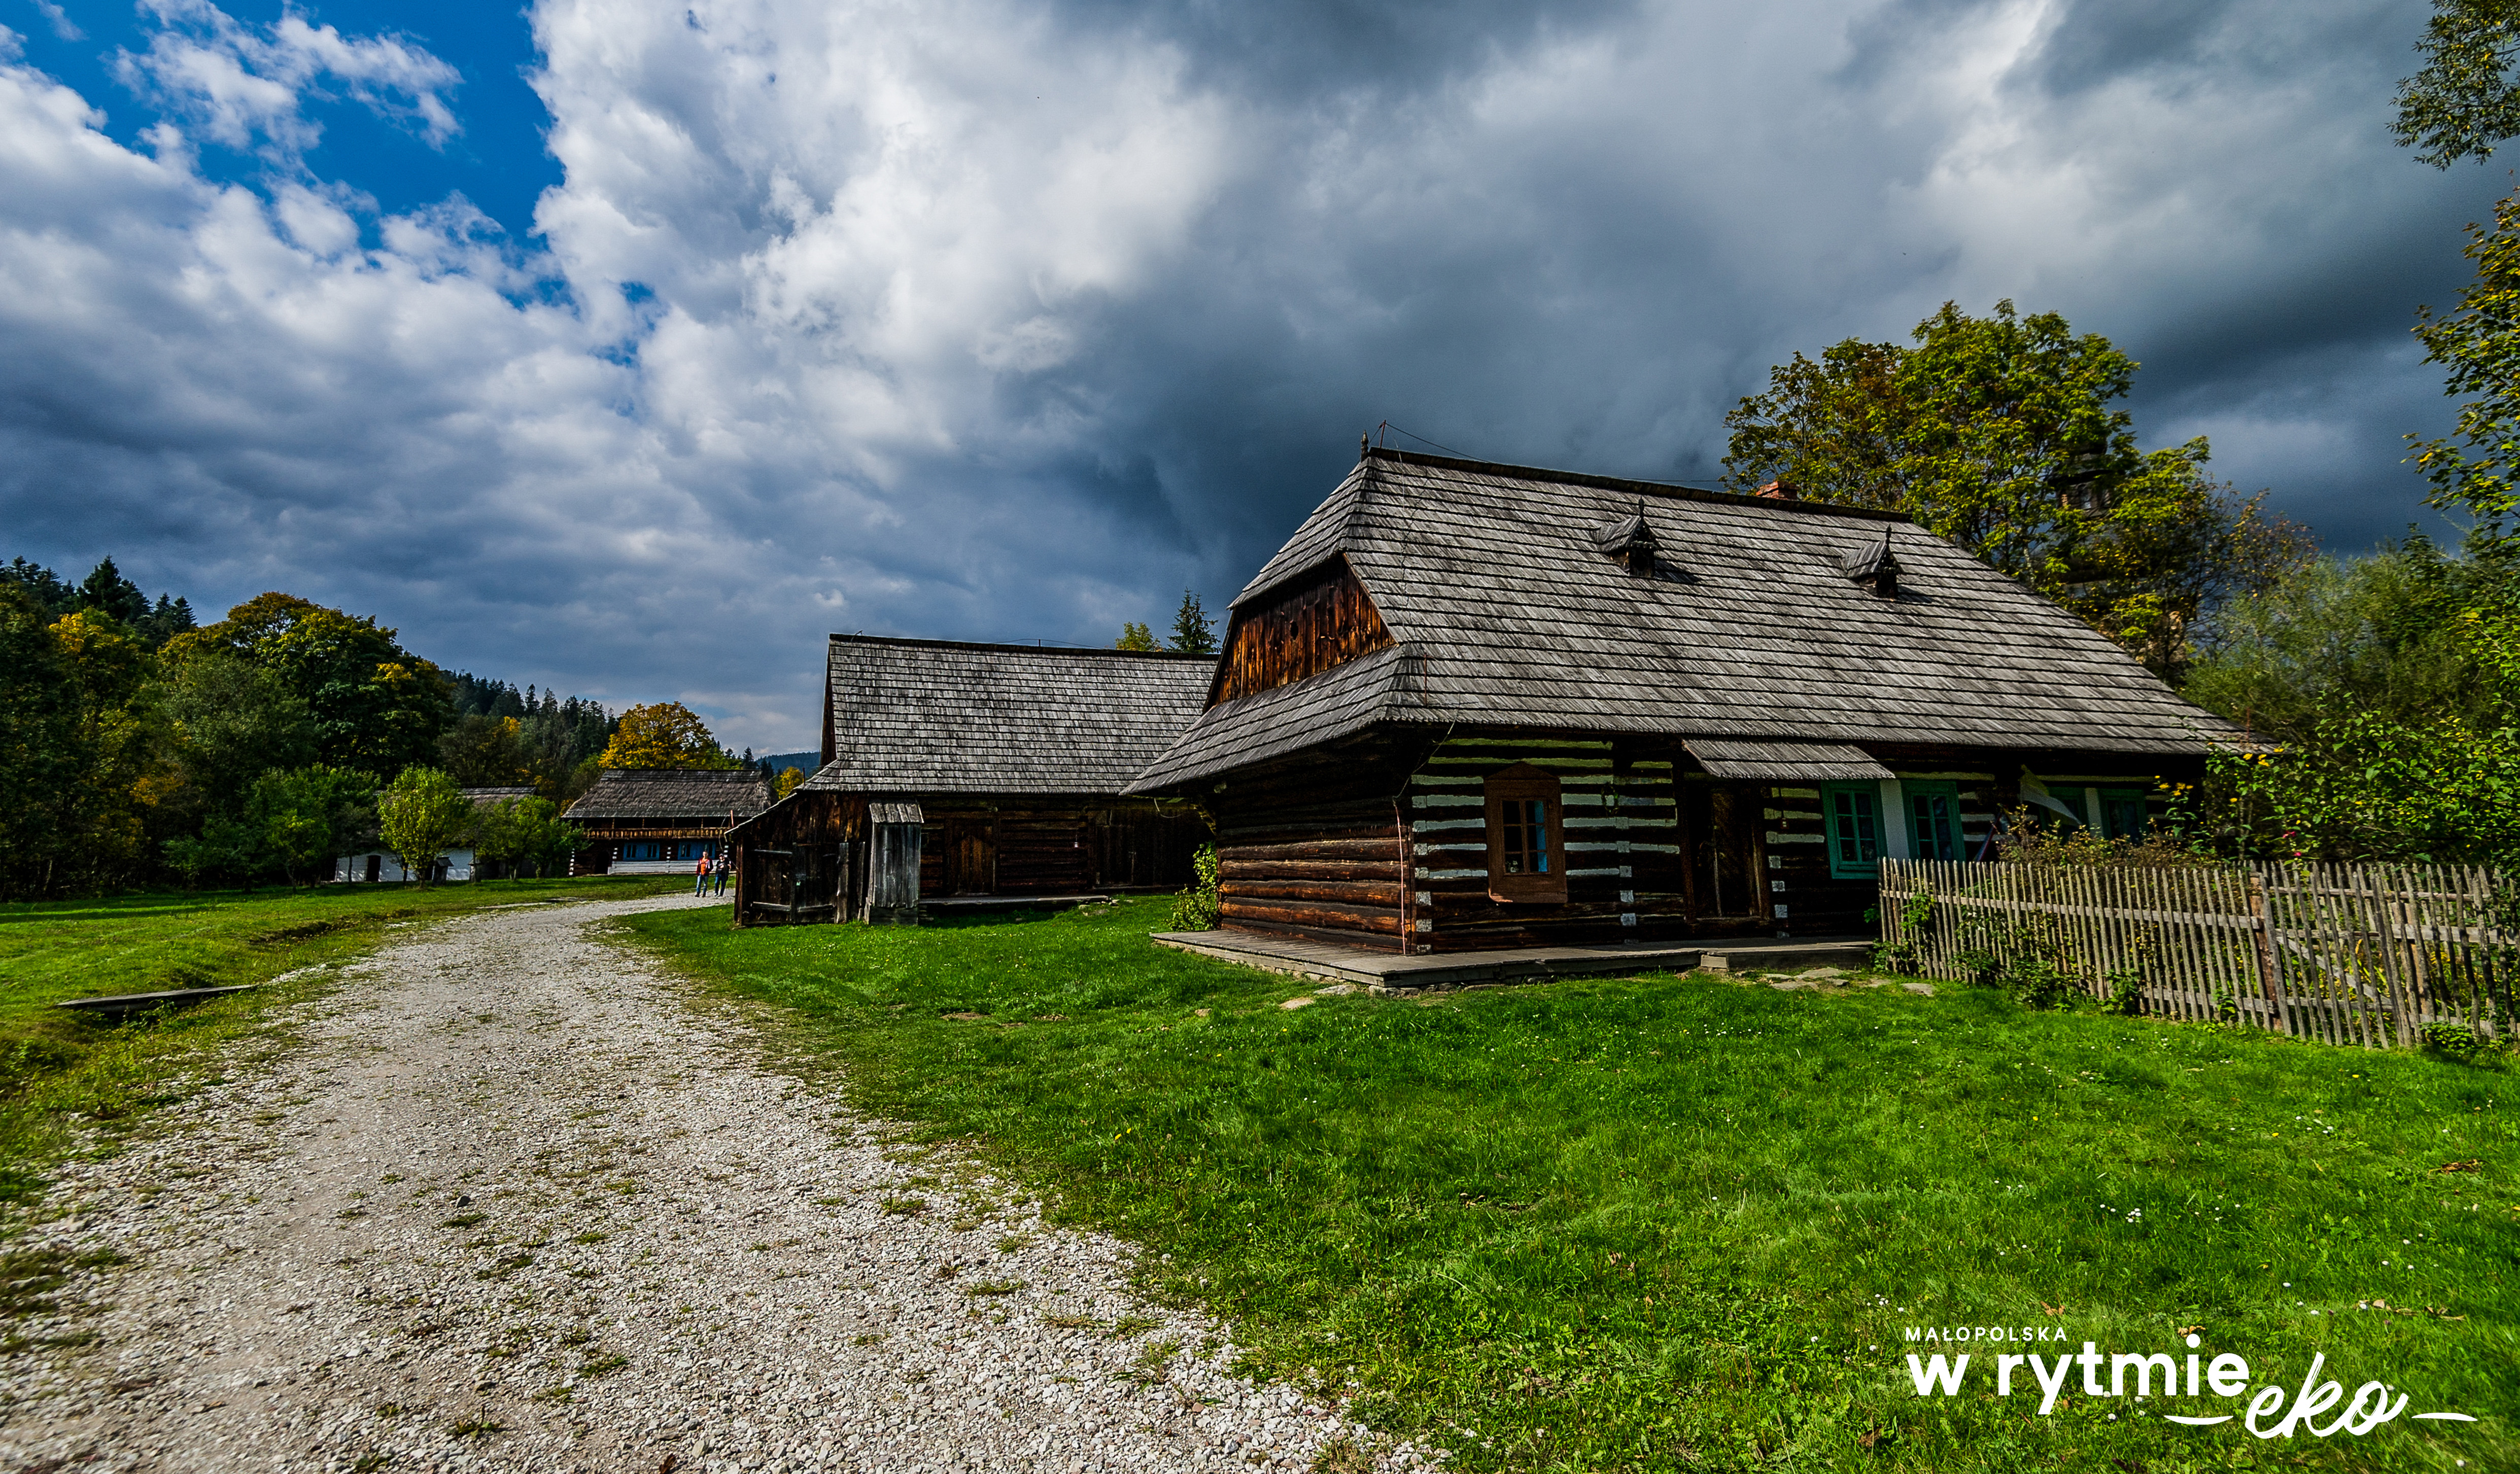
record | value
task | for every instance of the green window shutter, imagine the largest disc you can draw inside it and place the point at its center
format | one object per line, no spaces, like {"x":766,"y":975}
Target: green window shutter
{"x":1854,"y":820}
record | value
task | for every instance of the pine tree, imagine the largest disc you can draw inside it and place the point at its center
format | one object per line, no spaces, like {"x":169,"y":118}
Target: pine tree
{"x":108,"y":592}
{"x":1193,"y":634}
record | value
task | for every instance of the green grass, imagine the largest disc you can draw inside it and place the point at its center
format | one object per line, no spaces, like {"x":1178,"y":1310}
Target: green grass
{"x":62,"y":1070}
{"x":1682,"y":1223}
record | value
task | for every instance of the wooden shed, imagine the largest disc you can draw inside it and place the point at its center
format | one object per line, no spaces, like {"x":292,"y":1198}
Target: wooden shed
{"x":1006,"y":762}
{"x":660,"y":820}
{"x":1473,"y":706}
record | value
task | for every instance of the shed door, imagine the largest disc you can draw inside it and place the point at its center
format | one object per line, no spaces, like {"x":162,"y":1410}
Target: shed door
{"x":971,"y":858}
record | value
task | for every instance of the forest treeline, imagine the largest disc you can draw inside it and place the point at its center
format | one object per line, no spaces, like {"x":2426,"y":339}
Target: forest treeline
{"x":139,"y":747}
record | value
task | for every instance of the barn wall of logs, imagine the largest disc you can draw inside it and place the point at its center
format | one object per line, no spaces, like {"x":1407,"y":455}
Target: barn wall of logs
{"x":1016,"y":847}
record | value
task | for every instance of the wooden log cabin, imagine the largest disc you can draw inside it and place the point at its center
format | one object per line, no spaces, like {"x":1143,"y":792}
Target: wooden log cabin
{"x":660,"y":820}
{"x":1473,"y":706}
{"x":986,"y":770}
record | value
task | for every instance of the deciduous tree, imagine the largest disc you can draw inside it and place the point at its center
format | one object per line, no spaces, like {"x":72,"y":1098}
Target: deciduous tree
{"x":39,"y":746}
{"x":1998,"y":432}
{"x":526,"y":834}
{"x":665,"y":734}
{"x":376,"y":706}
{"x":1136,"y":637}
{"x":309,"y":815}
{"x":2479,"y":345}
{"x":488,"y":752}
{"x":2463,"y":101}
{"x":422,"y":815}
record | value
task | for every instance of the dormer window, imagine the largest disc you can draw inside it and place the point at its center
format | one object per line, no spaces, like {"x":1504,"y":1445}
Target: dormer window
{"x":1874,"y":567}
{"x":1629,"y":543}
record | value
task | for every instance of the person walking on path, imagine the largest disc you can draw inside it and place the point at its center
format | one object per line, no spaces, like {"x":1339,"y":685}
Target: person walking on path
{"x":723,"y":866}
{"x":700,"y":875}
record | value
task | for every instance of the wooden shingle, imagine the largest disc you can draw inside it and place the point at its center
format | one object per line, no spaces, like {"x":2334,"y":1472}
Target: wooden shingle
{"x":938,"y":716}
{"x":667,"y":794}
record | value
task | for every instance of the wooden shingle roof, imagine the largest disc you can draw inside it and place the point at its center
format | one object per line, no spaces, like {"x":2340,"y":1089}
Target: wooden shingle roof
{"x":1505,"y":610}
{"x":674,"y":794}
{"x":939,"y":716}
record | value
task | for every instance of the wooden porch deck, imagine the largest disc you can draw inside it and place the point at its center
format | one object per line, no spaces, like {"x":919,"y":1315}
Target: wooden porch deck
{"x":1390,"y":972}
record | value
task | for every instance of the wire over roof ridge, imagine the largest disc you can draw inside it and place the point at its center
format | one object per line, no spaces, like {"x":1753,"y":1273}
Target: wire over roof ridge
{"x":1668,"y":490}
{"x":1019,"y":649}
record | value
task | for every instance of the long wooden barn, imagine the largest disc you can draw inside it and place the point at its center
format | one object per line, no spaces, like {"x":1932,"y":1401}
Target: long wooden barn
{"x":1473,"y":706}
{"x":662,"y":821}
{"x":955,"y":772}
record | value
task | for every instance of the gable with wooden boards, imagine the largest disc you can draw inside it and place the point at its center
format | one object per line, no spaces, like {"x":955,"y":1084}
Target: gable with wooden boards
{"x":1473,"y":706}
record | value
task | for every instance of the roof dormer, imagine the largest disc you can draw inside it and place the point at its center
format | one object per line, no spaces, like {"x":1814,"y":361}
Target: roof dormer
{"x":1630,"y":542}
{"x":1873,"y":567}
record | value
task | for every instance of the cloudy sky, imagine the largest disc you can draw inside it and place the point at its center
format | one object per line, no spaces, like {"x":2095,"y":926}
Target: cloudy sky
{"x":633,"y":347}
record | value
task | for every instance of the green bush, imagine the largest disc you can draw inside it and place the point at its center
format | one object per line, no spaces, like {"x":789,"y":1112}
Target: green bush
{"x":2450,"y":1040}
{"x":1195,"y":908}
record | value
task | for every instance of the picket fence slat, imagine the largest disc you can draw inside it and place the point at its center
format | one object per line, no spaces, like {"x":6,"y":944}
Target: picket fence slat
{"x":2363,"y":955}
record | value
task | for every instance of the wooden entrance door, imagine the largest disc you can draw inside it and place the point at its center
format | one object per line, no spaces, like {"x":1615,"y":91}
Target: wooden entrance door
{"x":1724,"y":823}
{"x":971,"y":858}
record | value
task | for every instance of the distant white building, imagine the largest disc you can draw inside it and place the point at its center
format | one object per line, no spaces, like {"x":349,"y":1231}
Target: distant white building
{"x":368,"y":866}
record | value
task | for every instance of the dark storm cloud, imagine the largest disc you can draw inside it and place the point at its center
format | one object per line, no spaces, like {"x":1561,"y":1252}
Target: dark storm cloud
{"x":988,"y":321}
{"x":1308,"y":49}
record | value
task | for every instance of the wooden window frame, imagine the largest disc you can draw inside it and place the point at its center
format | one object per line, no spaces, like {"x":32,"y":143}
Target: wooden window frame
{"x":1521,"y":784}
{"x":1840,"y":868}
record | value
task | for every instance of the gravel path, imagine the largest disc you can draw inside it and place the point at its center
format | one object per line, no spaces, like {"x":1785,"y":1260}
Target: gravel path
{"x":518,"y":1200}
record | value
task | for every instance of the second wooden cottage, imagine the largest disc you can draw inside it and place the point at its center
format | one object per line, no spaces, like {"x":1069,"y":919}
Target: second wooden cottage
{"x":662,"y":821}
{"x":961,"y":771}
{"x":1473,"y":706}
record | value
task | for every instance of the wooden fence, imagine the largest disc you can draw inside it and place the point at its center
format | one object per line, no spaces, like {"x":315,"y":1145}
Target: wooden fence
{"x":2357,"y":955}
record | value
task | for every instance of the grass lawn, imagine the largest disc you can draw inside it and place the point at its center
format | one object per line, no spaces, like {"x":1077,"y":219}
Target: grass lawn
{"x":60,"y":1069}
{"x":1685,"y":1222}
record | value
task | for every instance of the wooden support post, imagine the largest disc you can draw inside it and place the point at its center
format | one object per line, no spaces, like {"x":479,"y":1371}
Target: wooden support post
{"x":2263,"y":937}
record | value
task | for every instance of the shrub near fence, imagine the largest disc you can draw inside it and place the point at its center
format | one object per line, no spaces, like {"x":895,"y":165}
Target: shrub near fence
{"x":2360,"y":955}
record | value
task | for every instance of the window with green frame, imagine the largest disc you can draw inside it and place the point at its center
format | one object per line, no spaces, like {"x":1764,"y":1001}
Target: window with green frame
{"x":2122,"y":814}
{"x":1933,"y":818}
{"x":2070,"y":799}
{"x":1853,"y":813}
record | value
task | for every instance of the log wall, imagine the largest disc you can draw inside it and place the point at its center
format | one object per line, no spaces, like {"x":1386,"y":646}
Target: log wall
{"x":1625,"y":848}
{"x":1383,"y":844}
{"x":1319,"y":849}
{"x":1011,"y":847}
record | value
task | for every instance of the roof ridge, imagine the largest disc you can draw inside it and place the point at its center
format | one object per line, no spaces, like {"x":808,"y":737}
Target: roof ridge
{"x":1667,"y":489}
